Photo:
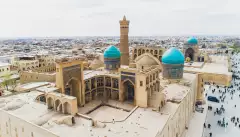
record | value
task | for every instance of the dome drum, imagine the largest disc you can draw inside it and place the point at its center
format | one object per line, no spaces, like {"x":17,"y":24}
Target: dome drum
{"x":111,"y":63}
{"x":172,"y":71}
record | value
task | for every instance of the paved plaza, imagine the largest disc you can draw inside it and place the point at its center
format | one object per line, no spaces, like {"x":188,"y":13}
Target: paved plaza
{"x":229,"y":105}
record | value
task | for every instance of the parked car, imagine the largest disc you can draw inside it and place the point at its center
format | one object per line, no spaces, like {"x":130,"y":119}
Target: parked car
{"x":213,"y":99}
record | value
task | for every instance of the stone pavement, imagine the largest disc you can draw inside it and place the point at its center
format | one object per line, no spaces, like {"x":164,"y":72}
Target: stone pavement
{"x":89,"y":106}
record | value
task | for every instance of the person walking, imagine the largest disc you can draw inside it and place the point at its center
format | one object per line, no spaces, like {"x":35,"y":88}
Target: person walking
{"x":209,"y":126}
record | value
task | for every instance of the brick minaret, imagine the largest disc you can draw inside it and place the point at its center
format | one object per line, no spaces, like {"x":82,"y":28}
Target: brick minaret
{"x":124,"y":49}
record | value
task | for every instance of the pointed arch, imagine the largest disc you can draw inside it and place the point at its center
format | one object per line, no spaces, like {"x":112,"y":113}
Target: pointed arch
{"x":50,"y":102}
{"x":129,"y":81}
{"x":66,"y":108}
{"x":128,"y":90}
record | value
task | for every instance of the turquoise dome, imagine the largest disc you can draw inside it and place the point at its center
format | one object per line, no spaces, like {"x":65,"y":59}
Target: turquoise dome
{"x":173,"y":56}
{"x":192,"y":41}
{"x":112,"y":52}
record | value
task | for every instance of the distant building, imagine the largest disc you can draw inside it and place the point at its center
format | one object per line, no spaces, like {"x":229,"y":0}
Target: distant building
{"x":24,"y":63}
{"x":155,"y":51}
{"x":4,"y":69}
{"x":6,"y":59}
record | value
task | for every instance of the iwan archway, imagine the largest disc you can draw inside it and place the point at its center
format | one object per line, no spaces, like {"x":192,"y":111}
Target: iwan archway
{"x":73,"y":87}
{"x":69,"y":78}
{"x":129,"y":91}
{"x":189,"y":53}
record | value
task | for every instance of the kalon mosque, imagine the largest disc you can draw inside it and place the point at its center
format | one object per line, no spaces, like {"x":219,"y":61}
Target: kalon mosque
{"x":153,"y":95}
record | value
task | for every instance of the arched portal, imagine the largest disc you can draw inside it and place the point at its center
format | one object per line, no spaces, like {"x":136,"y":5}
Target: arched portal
{"x":135,"y":56}
{"x":42,"y":98}
{"x":58,"y":105}
{"x":67,"y":108}
{"x":50,"y":103}
{"x":73,"y":88}
{"x":189,"y":53}
{"x":128,"y":91}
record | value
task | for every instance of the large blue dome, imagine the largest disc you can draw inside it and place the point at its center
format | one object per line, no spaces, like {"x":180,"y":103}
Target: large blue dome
{"x":112,"y":52}
{"x":173,"y":56}
{"x":192,"y":41}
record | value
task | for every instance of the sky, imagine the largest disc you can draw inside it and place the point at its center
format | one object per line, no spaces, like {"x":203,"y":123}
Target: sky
{"x":53,"y":18}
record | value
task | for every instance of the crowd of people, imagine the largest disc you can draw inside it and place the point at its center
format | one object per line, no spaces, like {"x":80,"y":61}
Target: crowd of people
{"x":225,"y":95}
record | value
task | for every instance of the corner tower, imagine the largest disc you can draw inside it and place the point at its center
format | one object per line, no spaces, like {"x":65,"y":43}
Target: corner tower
{"x":124,"y":49}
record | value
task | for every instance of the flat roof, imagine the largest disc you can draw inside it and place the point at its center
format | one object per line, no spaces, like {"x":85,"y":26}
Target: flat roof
{"x":194,"y":64}
{"x":47,"y":89}
{"x":210,"y":68}
{"x":62,"y":95}
{"x":218,"y":65}
{"x":33,"y":85}
{"x":89,"y":74}
{"x":136,"y":125}
{"x":23,"y":105}
{"x":143,"y":122}
{"x":4,"y":64}
{"x":176,"y":92}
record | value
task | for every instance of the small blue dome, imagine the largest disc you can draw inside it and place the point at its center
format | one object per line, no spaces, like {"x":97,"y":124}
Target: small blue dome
{"x":173,"y":56}
{"x":112,"y":52}
{"x":192,"y":41}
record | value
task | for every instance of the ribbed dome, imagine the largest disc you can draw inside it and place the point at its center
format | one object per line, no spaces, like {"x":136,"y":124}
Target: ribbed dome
{"x":192,"y":41}
{"x":112,"y":52}
{"x":147,"y":59}
{"x":173,"y":56}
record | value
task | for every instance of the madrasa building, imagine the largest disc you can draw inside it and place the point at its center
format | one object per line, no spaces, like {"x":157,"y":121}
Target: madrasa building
{"x":154,"y":95}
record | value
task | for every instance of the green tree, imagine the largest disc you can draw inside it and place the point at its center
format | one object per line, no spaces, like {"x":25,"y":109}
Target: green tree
{"x":8,"y":83}
{"x":12,"y":84}
{"x":5,"y":82}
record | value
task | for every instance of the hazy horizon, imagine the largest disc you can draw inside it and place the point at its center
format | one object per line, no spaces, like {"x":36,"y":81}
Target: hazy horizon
{"x":42,"y":37}
{"x":78,"y":18}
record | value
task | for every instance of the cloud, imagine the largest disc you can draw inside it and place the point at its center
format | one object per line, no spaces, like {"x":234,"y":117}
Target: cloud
{"x":100,"y":17}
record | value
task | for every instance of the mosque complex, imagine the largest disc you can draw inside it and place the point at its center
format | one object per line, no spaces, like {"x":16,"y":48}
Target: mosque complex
{"x":152,"y":93}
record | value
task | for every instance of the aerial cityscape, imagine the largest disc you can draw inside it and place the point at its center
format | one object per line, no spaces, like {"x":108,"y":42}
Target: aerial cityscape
{"x":121,"y":85}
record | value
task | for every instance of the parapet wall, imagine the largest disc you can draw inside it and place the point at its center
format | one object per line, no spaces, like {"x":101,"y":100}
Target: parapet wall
{"x":51,"y":68}
{"x":27,"y":77}
{"x":13,"y":126}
